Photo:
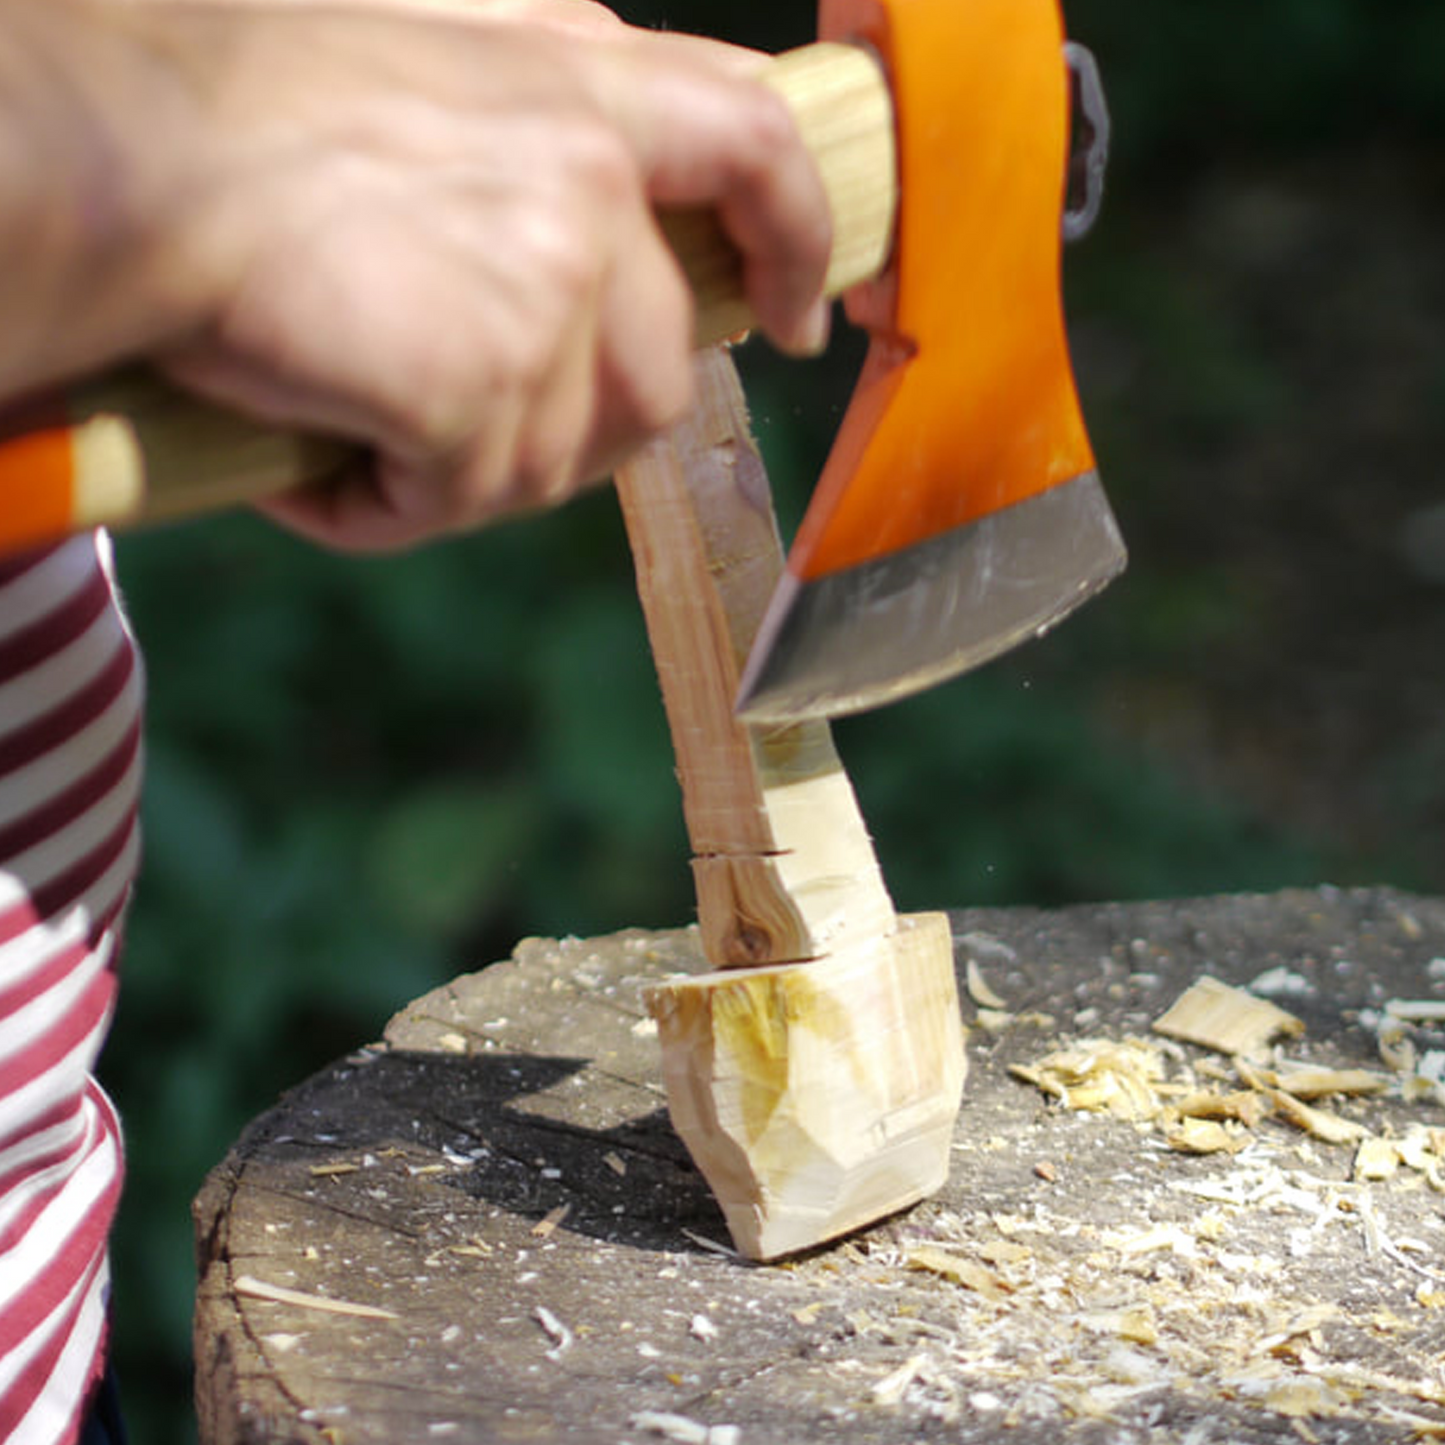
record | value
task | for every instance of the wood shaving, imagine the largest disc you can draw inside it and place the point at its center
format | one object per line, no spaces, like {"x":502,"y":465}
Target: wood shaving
{"x":555,"y":1331}
{"x":1147,"y":1241}
{"x":1317,"y":1122}
{"x":1397,"y":1049}
{"x":892,"y":1387}
{"x":711,"y":1245}
{"x":1416,"y":1010}
{"x":1128,"y":1081}
{"x":1136,"y":1324}
{"x":966,"y":1272}
{"x":1244,"y":1106}
{"x":1204,"y":1136}
{"x":683,"y":1429}
{"x":1101,"y":1076}
{"x":979,"y":990}
{"x":254,"y":1288}
{"x":1309,"y":1082}
{"x":1306,"y":1396}
{"x":1229,"y":1020}
{"x":544,"y":1228}
{"x":1376,"y":1159}
{"x":993,"y":1021}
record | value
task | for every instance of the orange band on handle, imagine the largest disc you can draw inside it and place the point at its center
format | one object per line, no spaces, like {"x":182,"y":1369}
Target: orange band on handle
{"x":37,"y":476}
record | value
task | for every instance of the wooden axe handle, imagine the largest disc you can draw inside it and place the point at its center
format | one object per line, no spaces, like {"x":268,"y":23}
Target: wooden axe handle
{"x":129,"y":447}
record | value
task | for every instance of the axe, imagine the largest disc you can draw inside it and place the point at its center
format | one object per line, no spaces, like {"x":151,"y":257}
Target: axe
{"x":960,"y":511}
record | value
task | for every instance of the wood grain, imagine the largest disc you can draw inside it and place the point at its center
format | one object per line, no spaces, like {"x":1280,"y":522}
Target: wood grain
{"x":784,"y":866}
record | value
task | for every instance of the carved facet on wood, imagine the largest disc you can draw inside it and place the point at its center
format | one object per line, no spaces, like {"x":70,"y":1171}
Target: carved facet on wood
{"x":817,"y":1098}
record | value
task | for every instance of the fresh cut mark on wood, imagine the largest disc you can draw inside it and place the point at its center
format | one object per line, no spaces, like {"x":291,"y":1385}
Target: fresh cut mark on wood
{"x":818,"y":1098}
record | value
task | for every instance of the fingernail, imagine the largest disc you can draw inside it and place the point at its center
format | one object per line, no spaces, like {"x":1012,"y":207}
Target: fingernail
{"x":813,"y":332}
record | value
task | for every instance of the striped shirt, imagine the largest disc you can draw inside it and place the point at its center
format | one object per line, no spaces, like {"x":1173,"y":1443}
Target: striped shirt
{"x":70,"y":762}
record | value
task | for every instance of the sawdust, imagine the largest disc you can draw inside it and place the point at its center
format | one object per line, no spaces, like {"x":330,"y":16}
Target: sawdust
{"x":1086,"y":1275}
{"x":1210,"y":1303}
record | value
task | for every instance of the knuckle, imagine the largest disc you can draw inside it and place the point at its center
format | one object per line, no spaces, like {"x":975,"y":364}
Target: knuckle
{"x":770,"y":130}
{"x":591,"y":159}
{"x":543,"y":472}
{"x":606,"y":165}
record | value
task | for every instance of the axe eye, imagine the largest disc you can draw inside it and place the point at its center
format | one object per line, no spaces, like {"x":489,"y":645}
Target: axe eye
{"x":1088,"y":142}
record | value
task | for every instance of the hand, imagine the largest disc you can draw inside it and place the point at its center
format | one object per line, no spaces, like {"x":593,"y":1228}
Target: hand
{"x":433,"y":233}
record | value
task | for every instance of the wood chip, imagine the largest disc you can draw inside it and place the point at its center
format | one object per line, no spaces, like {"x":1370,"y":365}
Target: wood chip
{"x":1101,"y":1076}
{"x":279,"y":1294}
{"x":1317,"y":1083}
{"x":1135,"y":1324}
{"x":683,"y":1429}
{"x":711,"y":1245}
{"x":1146,"y":1241}
{"x":1416,"y":1010}
{"x":966,"y":1272}
{"x":1005,"y":1251}
{"x":1318,"y":1123}
{"x":555,"y":1331}
{"x":1306,"y":1397}
{"x":616,"y":1163}
{"x":545,"y":1227}
{"x":1376,"y":1159}
{"x":979,"y":990}
{"x":330,"y":1171}
{"x":1229,"y":1020}
{"x":1204,"y":1136}
{"x":1244,"y":1106}
{"x":894,"y":1385}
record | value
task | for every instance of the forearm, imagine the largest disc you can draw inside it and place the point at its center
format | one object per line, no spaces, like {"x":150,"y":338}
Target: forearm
{"x":94,"y":114}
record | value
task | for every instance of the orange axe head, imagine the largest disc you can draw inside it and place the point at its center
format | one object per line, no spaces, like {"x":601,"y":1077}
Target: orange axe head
{"x":960,"y":511}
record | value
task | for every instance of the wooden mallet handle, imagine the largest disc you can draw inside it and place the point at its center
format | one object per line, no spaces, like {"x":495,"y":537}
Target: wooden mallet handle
{"x":129,"y":447}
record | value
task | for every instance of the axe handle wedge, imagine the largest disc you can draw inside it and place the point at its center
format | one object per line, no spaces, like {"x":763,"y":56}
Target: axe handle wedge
{"x":128,"y":447}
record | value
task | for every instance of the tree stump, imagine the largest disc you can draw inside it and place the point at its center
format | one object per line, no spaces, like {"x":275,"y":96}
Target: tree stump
{"x":483,"y":1229}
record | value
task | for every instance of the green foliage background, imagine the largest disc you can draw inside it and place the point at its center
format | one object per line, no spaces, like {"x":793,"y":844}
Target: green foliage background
{"x":366,"y":777}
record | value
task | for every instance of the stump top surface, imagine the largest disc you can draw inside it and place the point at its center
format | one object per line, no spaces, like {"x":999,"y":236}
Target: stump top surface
{"x":1077,"y":1280}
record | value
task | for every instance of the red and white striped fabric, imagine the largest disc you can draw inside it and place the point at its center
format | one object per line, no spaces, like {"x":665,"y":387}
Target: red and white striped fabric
{"x":70,"y":763}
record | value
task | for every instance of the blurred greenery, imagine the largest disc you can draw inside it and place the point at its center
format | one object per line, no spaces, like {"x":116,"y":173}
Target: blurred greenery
{"x":366,"y":777}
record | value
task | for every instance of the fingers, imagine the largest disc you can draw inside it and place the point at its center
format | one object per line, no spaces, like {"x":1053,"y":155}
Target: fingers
{"x":458,"y":263}
{"x":596,"y":383}
{"x":731,"y":144}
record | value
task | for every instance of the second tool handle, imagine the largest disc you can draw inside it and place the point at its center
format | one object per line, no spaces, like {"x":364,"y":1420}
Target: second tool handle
{"x":129,"y":447}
